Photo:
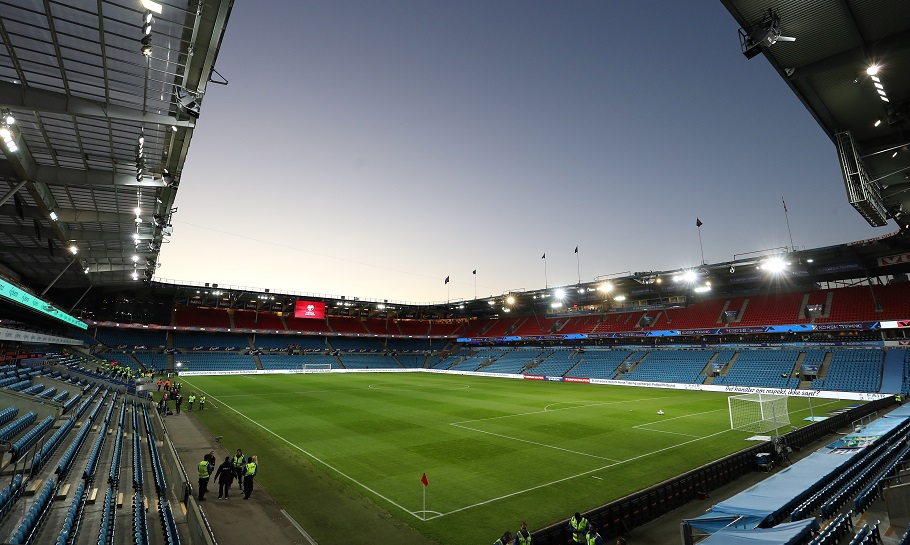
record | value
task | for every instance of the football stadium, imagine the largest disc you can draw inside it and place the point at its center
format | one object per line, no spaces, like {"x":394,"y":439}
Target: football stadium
{"x":752,"y":399}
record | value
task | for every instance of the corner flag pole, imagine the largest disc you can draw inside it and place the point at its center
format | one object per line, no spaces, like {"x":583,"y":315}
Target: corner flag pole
{"x":425,"y":483}
{"x":475,"y":283}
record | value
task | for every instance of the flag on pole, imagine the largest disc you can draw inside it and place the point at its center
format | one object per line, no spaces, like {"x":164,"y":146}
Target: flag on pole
{"x":475,"y":271}
{"x":698,"y":222}
{"x":785,"y":204}
{"x":424,"y":480}
{"x":447,"y":280}
{"x":544,"y":256}
{"x":576,"y":249}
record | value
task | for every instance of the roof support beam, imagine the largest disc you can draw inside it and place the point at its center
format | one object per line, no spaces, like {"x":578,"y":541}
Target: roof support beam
{"x":69,"y":215}
{"x":84,"y":254}
{"x":18,"y":96}
{"x":71,"y":176}
{"x":79,"y":235}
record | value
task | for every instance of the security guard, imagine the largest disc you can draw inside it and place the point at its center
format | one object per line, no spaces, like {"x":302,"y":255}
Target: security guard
{"x":578,"y":525}
{"x":201,"y":402}
{"x":190,"y":400}
{"x":239,"y":460}
{"x":898,"y":399}
{"x":505,"y":539}
{"x":249,"y":471}
{"x":205,"y":470}
{"x":523,"y":536}
{"x":593,"y":538}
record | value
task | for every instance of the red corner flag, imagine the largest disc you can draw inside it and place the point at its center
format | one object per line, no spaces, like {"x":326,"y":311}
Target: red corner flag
{"x":424,"y":480}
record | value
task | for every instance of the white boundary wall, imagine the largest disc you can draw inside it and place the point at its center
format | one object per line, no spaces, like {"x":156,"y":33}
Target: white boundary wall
{"x":825,"y":394}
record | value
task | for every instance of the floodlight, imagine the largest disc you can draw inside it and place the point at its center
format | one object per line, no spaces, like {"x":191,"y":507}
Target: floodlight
{"x":775,"y":265}
{"x":606,"y":287}
{"x":877,"y":123}
{"x":5,"y":133}
{"x":8,"y":118}
{"x":137,"y":210}
{"x":510,"y":300}
{"x":13,"y":148}
{"x":619,"y":298}
{"x":690,"y":276}
{"x":702,"y":289}
{"x":491,"y":303}
{"x":187,"y":101}
{"x":560,"y":293}
{"x":506,"y":309}
{"x":135,"y":275}
{"x":555,"y":304}
{"x":151,"y":5}
{"x":872,"y":70}
{"x":74,"y":249}
{"x":53,"y":216}
{"x":148,"y":17}
{"x":135,"y":258}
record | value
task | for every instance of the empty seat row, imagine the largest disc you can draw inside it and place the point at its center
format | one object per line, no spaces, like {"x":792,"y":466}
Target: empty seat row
{"x":66,"y":462}
{"x":830,"y":507}
{"x":15,"y":427}
{"x":71,"y":514}
{"x":49,"y":446}
{"x":872,"y":490}
{"x":92,"y":464}
{"x":31,"y":437}
{"x":61,"y":397}
{"x":834,"y":532}
{"x":10,"y":495}
{"x":157,"y":471}
{"x":35,"y":515}
{"x":8,"y":414}
{"x":168,"y":524}
{"x":140,"y":526}
{"x":108,"y":512}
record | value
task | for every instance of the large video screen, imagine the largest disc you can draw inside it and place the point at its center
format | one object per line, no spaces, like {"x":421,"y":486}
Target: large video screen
{"x":309,"y":309}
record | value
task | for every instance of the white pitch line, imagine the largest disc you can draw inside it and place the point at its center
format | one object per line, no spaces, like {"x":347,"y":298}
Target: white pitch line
{"x":663,"y":431}
{"x":557,"y":481}
{"x":457,"y":425}
{"x":323,"y":462}
{"x":554,"y":410}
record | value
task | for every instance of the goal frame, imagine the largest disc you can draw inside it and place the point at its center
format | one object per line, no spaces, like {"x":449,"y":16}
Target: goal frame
{"x":316,"y":368}
{"x":772,"y":412}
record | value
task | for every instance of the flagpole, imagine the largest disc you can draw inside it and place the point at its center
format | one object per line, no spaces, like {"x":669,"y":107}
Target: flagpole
{"x":787,"y":216}
{"x":546,"y":281}
{"x":578,"y":264}
{"x":701,"y":246}
{"x":475,"y":284}
{"x":424,"y":503}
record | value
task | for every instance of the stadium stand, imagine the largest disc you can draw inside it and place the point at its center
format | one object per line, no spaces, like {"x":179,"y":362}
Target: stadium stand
{"x":371,"y":361}
{"x":247,"y":319}
{"x":682,"y":366}
{"x":201,"y":317}
{"x":307,"y":324}
{"x":555,"y":363}
{"x":598,"y":363}
{"x":132,"y":338}
{"x":768,"y":368}
{"x":853,"y":370}
{"x":191,"y":339}
{"x":217,"y":361}
{"x":274,"y":361}
{"x":340,"y":324}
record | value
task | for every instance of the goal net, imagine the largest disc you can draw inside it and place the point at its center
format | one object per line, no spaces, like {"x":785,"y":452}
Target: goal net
{"x":317,"y":367}
{"x":758,"y":413}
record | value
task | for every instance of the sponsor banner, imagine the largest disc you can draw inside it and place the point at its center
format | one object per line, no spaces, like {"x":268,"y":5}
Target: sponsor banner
{"x":897,"y":343}
{"x":841,"y":327}
{"x":533,"y":377}
{"x":574,"y":379}
{"x":554,"y":379}
{"x":309,"y":309}
{"x":699,"y":332}
{"x":896,"y":259}
{"x":895,"y":324}
{"x":838,"y":267}
{"x":868,"y":240}
{"x":733,"y":330}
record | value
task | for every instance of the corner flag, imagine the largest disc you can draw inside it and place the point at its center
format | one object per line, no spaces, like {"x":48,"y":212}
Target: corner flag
{"x":424,"y":480}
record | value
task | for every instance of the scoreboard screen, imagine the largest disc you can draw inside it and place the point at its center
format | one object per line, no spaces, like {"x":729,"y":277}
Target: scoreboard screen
{"x":309,"y":309}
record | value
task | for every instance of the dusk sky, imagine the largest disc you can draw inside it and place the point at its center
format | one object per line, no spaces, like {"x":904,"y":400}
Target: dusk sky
{"x":370,"y":149}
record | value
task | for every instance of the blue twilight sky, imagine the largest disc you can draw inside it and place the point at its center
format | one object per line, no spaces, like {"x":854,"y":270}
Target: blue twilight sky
{"x":370,"y":149}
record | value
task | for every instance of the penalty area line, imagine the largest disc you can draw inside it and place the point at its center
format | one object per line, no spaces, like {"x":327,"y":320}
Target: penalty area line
{"x":323,"y":462}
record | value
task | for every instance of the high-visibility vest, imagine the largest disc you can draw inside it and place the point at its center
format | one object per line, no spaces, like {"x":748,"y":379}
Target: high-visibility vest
{"x":522,"y":539}
{"x":191,"y":399}
{"x":202,"y":400}
{"x":592,"y":538}
{"x":204,"y":469}
{"x":238,"y":460}
{"x":250,"y":469}
{"x":578,"y":526}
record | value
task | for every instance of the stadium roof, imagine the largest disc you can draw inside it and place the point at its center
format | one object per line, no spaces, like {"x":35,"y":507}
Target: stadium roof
{"x":828,"y":67}
{"x":82,"y":88}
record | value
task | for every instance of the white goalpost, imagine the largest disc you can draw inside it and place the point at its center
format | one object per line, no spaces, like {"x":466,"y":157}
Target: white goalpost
{"x":316,"y":367}
{"x":758,"y":413}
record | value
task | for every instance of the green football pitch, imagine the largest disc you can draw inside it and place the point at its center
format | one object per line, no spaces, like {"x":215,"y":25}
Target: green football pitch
{"x":337,"y":450}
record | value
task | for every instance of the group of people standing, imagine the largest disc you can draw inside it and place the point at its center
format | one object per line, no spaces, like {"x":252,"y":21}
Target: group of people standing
{"x":238,"y":467}
{"x":583,"y":532}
